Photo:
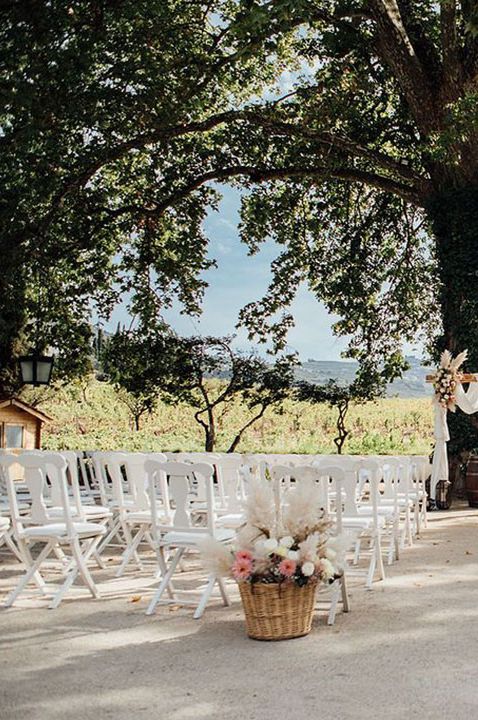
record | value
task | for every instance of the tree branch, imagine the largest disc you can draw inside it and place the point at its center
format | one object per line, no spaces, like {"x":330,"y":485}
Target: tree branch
{"x":332,"y":141}
{"x":395,"y":48}
{"x":452,"y":70}
{"x":320,"y":172}
{"x":241,"y":432}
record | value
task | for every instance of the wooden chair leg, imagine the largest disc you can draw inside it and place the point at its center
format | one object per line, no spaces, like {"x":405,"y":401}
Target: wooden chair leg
{"x":165,"y":581}
{"x":130,"y":552}
{"x":334,"y":602}
{"x":82,"y":566}
{"x":345,"y":595}
{"x":222,"y":590}
{"x":29,"y":575}
{"x":205,"y":598}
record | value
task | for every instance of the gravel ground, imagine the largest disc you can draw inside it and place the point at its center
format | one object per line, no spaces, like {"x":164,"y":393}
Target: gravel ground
{"x":409,"y":648}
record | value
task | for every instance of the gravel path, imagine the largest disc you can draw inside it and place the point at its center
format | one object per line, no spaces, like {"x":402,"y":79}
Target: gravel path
{"x":408,"y":649}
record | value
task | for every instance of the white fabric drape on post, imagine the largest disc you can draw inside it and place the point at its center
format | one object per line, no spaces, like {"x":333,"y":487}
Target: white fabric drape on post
{"x":466,"y":401}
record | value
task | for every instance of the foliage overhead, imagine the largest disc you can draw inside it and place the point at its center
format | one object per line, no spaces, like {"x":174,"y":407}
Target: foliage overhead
{"x":360,"y":169}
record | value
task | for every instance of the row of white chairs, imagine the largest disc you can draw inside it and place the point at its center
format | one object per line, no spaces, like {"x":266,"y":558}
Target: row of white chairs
{"x":134,"y":509}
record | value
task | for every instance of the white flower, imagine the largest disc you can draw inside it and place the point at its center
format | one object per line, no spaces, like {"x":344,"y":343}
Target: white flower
{"x":281,"y":550}
{"x":327,"y":570}
{"x":308,"y":568}
{"x":287,"y":541}
{"x":330,"y":554}
{"x":270,"y":544}
{"x":293,"y":555}
{"x":259,"y":549}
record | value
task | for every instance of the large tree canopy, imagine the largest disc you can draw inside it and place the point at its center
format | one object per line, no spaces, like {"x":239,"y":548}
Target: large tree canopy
{"x":117,"y":116}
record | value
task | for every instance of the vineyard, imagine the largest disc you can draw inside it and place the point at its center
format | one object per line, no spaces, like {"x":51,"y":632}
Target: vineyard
{"x":92,"y":416}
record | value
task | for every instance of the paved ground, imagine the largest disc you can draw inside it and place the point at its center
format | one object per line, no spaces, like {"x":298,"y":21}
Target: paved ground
{"x":408,"y":649}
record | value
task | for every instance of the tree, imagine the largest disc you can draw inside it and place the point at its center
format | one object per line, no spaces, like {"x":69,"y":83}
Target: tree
{"x":365,"y":171}
{"x":204,"y":372}
{"x":243,"y":377}
{"x":133,"y":361}
{"x":339,"y":397}
{"x":100,"y":100}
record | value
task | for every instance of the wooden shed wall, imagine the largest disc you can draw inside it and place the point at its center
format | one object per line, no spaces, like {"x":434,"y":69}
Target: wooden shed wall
{"x":32,"y":426}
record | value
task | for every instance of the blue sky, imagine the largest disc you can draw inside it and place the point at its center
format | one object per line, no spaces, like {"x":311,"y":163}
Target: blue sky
{"x":239,"y":279}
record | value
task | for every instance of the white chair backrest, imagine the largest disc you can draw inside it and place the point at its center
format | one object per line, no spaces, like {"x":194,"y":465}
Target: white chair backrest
{"x":113,"y":464}
{"x":372,"y":471}
{"x":350,"y":466}
{"x":229,"y":482}
{"x":98,"y":465}
{"x":34,"y":468}
{"x":341,"y":489}
{"x":178,"y":490}
{"x":282,"y":475}
{"x":389,"y":479}
{"x":71,"y":458}
{"x":286,"y":479}
{"x":133,"y":464}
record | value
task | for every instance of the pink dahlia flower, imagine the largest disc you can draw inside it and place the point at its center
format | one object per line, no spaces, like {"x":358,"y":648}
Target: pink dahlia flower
{"x":287,"y":567}
{"x":242,"y":569}
{"x":244,"y":555}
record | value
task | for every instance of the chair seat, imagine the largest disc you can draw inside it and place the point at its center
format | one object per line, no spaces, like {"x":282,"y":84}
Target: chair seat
{"x":144,"y":516}
{"x":5,"y":507}
{"x":59,"y":530}
{"x":384,"y":511}
{"x":127,"y":502}
{"x":97,"y":512}
{"x":401,"y":502}
{"x":364,"y":522}
{"x":231,"y":520}
{"x":194,"y":538}
{"x":93,"y":512}
{"x":414,"y":495}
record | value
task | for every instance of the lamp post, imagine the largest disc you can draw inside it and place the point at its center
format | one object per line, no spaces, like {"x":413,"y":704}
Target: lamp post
{"x":35,"y":369}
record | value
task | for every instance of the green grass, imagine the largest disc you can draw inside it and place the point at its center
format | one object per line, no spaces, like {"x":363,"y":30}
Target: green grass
{"x":96,"y":419}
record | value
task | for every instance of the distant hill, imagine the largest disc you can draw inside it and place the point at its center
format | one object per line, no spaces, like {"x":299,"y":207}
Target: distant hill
{"x":411,"y":385}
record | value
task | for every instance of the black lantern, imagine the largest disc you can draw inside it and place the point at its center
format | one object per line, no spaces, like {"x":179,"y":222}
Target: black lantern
{"x":36,"y":369}
{"x":443,"y":500}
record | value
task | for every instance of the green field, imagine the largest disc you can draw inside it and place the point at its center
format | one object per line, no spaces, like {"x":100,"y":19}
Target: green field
{"x":93,"y":417}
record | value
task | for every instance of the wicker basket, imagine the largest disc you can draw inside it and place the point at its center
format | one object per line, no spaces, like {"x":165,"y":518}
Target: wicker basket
{"x":277,"y":612}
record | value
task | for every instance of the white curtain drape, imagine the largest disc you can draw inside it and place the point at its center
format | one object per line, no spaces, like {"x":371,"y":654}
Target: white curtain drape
{"x":466,"y":401}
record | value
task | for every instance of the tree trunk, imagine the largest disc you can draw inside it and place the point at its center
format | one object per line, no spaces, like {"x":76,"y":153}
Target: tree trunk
{"x":341,"y":429}
{"x":454,"y":219}
{"x":210,"y":431}
{"x":237,"y":439}
{"x":210,"y":439}
{"x":12,"y":316}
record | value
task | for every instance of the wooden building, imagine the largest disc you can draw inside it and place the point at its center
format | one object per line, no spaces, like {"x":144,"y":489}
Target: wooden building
{"x":20,"y":425}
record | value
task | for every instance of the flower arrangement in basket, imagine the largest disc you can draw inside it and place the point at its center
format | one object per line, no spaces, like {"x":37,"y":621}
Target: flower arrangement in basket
{"x":446,"y":378}
{"x":283,"y":551}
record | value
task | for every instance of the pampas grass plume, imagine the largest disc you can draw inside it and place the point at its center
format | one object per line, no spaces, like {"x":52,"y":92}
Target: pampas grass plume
{"x":217,"y":557}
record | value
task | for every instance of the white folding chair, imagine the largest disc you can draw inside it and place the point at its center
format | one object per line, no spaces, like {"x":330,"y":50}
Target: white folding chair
{"x":134,"y":510}
{"x":99,"y":466}
{"x":6,"y":537}
{"x":339,"y":586}
{"x":365,"y":526}
{"x":230,"y":477}
{"x":389,"y":506}
{"x":181,"y":534}
{"x":37,"y":526}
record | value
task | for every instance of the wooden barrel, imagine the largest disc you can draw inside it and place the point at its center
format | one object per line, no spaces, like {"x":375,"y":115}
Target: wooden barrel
{"x":471,"y":481}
